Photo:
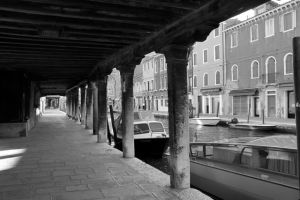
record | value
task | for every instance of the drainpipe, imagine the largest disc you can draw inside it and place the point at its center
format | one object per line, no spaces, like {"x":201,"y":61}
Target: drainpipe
{"x":224,"y":63}
{"x":296,"y":53}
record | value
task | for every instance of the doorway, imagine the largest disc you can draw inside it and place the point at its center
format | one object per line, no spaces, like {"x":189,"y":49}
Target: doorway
{"x":291,"y":104}
{"x":199,"y":105}
{"x":256,"y":107}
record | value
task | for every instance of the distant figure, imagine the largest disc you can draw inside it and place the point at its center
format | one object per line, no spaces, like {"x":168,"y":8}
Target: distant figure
{"x":195,"y":138}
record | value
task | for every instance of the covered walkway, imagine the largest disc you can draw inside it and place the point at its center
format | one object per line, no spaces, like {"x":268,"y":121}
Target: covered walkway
{"x":60,"y":160}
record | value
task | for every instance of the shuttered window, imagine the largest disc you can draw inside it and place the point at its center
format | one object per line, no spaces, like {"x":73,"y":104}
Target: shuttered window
{"x":240,"y":105}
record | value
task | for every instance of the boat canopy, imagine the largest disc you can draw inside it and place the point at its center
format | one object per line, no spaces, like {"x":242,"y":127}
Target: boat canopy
{"x":279,"y":141}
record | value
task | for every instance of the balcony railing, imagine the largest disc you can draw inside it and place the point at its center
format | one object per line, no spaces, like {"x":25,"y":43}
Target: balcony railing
{"x":270,"y":78}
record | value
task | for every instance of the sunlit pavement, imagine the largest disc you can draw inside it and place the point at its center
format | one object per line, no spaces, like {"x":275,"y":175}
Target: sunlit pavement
{"x":59,"y":160}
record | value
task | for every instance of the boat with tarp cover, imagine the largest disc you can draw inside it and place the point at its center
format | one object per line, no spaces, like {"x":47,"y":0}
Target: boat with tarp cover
{"x":247,"y":168}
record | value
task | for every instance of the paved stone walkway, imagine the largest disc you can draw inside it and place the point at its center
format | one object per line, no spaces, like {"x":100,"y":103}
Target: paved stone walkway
{"x":59,"y":160}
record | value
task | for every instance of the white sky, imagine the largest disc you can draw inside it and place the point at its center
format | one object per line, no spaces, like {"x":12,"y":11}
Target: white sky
{"x":250,"y":13}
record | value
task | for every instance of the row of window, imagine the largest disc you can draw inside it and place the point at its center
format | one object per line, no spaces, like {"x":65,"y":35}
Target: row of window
{"x":162,"y":64}
{"x":193,"y":81}
{"x":240,"y":104}
{"x":255,"y":65}
{"x":217,"y":55}
{"x":163,"y":102}
{"x":270,"y":68}
{"x":151,"y":86}
{"x":287,"y":22}
{"x":149,"y":65}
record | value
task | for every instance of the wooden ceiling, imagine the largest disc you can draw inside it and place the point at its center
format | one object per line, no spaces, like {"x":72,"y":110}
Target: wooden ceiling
{"x":62,"y":42}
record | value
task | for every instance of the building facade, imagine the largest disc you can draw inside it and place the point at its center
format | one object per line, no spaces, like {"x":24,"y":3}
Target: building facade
{"x":161,"y":83}
{"x":259,"y":62}
{"x":205,"y":83}
{"x":114,"y":89}
{"x":138,"y":87}
{"x":150,"y":83}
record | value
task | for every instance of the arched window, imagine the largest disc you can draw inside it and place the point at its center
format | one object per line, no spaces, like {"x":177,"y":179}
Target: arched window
{"x":288,"y":64}
{"x":271,"y":70}
{"x":218,"y":78}
{"x":195,"y":81}
{"x":234,"y":73}
{"x":205,"y":79}
{"x":255,"y":69}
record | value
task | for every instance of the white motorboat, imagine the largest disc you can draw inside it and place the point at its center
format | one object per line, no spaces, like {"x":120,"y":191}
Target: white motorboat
{"x":150,"y":138}
{"x":264,"y":168}
{"x":206,"y":121}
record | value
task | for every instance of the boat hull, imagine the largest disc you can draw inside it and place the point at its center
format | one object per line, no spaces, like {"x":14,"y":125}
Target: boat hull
{"x":147,"y":147}
{"x":230,"y":185}
{"x":205,"y":121}
{"x":256,"y":127}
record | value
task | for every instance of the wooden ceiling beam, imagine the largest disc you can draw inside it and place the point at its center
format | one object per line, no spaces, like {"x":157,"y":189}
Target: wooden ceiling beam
{"x":124,"y":7}
{"x":39,"y":54}
{"x":45,"y":59}
{"x":186,"y":30}
{"x":87,"y":16}
{"x":105,"y":34}
{"x":28,"y":44}
{"x":67,"y":39}
{"x":62,"y":40}
{"x":42,"y":22}
{"x":17,"y":47}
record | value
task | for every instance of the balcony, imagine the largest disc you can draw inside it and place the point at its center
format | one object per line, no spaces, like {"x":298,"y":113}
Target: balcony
{"x":270,"y":78}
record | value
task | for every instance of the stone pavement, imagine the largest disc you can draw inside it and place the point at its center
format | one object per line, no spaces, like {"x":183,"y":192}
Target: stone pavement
{"x":59,"y":160}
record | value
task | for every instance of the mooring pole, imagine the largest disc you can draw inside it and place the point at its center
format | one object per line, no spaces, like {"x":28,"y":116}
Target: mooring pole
{"x":113,"y":123}
{"x":296,"y":53}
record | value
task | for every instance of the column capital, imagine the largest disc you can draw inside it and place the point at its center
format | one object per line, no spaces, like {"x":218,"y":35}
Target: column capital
{"x":176,"y":53}
{"x":129,"y":67}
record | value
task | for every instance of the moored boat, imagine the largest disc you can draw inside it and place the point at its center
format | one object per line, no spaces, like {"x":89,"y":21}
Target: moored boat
{"x":253,"y":126}
{"x":262,"y":168}
{"x":205,"y":121}
{"x":150,"y":138}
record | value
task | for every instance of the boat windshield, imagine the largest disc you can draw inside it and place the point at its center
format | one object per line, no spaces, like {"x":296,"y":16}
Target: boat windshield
{"x":156,"y":127}
{"x":141,"y":128}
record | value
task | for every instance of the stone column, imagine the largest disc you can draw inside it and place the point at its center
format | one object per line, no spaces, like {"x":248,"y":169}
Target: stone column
{"x":67,"y":103}
{"x":127,"y":113}
{"x":102,"y":109}
{"x":89,"y":107}
{"x":73,"y":105}
{"x":177,"y":60}
{"x":77,"y":106}
{"x":83,"y":104}
{"x":95,"y":108}
{"x":296,"y":67}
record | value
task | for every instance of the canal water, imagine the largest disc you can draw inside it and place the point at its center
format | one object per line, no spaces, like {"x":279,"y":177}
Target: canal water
{"x":208,"y":134}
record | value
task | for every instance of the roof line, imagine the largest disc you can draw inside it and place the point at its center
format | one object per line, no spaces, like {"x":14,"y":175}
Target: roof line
{"x":280,"y":8}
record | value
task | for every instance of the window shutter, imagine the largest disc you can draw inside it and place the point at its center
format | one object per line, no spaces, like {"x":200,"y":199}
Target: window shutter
{"x":281,"y":23}
{"x":294,"y":18}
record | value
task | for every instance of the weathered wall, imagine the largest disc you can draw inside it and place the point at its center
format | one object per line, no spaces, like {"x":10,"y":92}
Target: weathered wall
{"x":18,"y":104}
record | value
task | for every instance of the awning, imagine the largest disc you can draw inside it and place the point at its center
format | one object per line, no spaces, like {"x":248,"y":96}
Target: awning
{"x":243,"y":92}
{"x":289,"y":85}
{"x":211,"y":91}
